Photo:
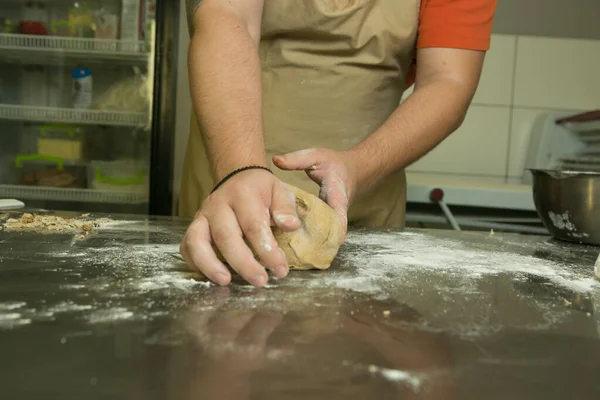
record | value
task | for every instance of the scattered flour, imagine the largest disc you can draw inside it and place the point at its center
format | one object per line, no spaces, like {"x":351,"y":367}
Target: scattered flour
{"x":12,"y":314}
{"x":396,"y":375}
{"x":562,"y":221}
{"x":412,"y":380}
{"x":68,"y":306}
{"x":13,"y":320}
{"x":110,"y":315}
{"x":429,"y":273}
{"x":12,"y":305}
{"x":8,"y":317}
{"x":143,"y":268}
{"x":382,"y":257}
{"x":170,"y":280}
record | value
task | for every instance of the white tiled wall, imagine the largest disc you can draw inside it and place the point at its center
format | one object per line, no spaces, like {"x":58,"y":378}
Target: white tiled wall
{"x":495,"y":86}
{"x":524,"y":78}
{"x":557,"y":73}
{"x":484,"y":127}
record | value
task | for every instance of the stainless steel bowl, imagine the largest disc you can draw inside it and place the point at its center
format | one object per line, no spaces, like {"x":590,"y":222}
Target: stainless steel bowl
{"x":568,"y":202}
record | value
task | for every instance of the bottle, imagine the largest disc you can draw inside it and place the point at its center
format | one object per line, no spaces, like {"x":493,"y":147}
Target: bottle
{"x":130,"y":25}
{"x":82,"y":87}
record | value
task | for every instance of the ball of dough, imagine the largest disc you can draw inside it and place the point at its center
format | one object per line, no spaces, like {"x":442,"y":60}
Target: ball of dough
{"x":316,"y":243}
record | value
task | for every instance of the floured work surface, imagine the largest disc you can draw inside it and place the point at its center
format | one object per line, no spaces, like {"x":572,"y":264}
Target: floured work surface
{"x":420,"y":313}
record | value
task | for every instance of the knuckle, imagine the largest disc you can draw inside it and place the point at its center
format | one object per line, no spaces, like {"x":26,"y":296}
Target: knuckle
{"x":242,"y":191}
{"x":195,"y":227}
{"x":220,"y":235}
{"x":207,"y":203}
{"x":255,"y":227}
{"x":187,"y":242}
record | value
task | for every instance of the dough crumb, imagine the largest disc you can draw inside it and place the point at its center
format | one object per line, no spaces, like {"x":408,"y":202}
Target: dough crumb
{"x":27,"y":222}
{"x":387,"y":313}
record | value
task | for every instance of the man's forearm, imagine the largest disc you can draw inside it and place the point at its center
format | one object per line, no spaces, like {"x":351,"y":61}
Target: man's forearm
{"x":226,"y":89}
{"x":419,"y":124}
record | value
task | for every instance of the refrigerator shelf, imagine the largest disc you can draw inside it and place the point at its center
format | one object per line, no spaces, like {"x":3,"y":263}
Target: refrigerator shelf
{"x":71,"y":115}
{"x":18,"y":44}
{"x":71,"y":195}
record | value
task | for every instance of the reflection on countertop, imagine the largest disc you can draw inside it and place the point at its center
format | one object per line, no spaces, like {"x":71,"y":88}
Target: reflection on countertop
{"x":414,"y":314}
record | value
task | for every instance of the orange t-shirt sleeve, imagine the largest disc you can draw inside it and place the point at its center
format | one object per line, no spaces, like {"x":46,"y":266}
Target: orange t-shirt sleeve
{"x":461,"y":24}
{"x":458,"y":24}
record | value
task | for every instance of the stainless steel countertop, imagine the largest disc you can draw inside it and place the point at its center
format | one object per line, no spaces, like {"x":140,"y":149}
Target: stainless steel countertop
{"x":114,"y":316}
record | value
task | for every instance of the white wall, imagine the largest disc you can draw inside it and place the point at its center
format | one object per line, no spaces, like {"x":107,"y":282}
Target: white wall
{"x":524,"y":77}
{"x":549,"y":18}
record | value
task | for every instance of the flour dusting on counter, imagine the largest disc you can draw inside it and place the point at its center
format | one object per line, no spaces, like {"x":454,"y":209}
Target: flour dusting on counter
{"x":396,"y":375}
{"x":381,"y":257}
{"x":109,"y":315}
{"x":11,"y":305}
{"x":438,"y":276}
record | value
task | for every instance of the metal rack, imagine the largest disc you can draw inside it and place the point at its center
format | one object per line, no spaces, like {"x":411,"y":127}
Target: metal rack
{"x":18,"y":44}
{"x":71,"y":195}
{"x":71,"y":115}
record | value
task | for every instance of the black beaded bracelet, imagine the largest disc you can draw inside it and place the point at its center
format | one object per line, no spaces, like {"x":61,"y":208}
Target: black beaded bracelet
{"x":237,"y":171}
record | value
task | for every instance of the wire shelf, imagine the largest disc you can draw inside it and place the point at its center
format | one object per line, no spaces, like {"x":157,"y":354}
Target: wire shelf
{"x":71,"y":195}
{"x":71,"y":115}
{"x":107,"y":47}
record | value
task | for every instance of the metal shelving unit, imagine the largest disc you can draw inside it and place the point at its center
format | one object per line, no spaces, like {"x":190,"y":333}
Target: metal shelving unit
{"x":71,"y":195}
{"x":71,"y":115}
{"x":130,"y":96}
{"x":35,"y":47}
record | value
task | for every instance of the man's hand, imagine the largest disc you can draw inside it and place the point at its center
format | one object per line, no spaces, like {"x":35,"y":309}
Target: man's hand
{"x":333,"y":171}
{"x":245,"y":207}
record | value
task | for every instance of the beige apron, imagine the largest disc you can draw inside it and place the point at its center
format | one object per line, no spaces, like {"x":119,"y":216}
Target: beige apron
{"x":332,"y":72}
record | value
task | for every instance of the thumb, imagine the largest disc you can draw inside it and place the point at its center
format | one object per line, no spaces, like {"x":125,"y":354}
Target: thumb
{"x":298,"y":160}
{"x":342,"y":214}
{"x":338,"y":201}
{"x":283,"y":208}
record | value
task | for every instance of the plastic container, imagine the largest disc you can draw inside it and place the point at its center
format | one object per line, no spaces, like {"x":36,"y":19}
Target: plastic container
{"x":41,"y":170}
{"x":61,"y":141}
{"x":129,"y":176}
{"x":34,"y":18}
{"x":81,"y":19}
{"x":82,"y":87}
{"x":130,"y":25}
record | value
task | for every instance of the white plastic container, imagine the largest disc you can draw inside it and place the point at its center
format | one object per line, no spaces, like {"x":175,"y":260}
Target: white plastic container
{"x":82,"y":87}
{"x":130,"y":24}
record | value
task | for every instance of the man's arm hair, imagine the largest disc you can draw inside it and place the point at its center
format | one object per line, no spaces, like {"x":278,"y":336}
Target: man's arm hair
{"x":225,"y":81}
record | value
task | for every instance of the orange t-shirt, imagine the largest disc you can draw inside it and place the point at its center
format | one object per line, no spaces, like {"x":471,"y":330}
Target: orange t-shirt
{"x":459,"y":24}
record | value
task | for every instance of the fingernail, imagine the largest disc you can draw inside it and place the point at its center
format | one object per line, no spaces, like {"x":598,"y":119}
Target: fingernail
{"x":285,"y":218}
{"x":259,"y":280}
{"x":221,"y":279}
{"x":281,"y":271}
